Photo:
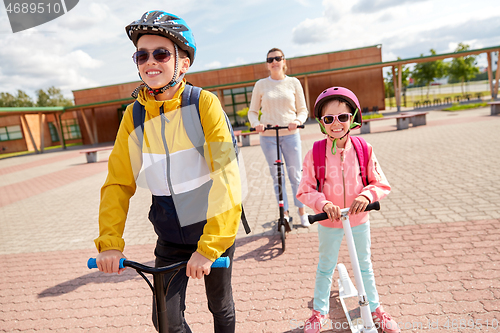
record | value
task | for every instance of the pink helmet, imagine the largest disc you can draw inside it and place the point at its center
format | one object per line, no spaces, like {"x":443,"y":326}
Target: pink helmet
{"x":345,"y":94}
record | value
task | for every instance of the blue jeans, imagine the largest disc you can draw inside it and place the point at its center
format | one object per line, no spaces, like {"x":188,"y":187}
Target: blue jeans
{"x":291,"y":150}
{"x":329,"y":245}
{"x":217,"y":288}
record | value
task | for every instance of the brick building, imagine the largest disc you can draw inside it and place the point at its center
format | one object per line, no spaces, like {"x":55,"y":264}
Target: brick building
{"x":97,"y":112}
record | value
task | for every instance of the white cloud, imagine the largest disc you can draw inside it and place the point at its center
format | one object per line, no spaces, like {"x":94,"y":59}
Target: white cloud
{"x":312,"y":31}
{"x":213,"y":64}
{"x":88,"y":47}
{"x":404,"y":30}
{"x":372,"y":6}
{"x":239,"y":61}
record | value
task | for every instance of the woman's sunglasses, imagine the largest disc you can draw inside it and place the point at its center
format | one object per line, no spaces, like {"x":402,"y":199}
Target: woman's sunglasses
{"x":160,"y":55}
{"x":342,"y":118}
{"x":271,"y":59}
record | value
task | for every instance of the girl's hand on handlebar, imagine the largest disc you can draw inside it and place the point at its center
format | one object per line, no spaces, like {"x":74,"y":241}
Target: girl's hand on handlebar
{"x":292,"y":126}
{"x":359,"y":205}
{"x":259,"y":128}
{"x":198,"y":266}
{"x":332,"y":211}
{"x":109,"y":261}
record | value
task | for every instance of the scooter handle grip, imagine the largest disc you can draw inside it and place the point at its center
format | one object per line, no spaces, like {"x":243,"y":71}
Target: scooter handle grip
{"x":222,"y":262}
{"x":252,"y":129}
{"x":323,"y":216}
{"x":91,"y":263}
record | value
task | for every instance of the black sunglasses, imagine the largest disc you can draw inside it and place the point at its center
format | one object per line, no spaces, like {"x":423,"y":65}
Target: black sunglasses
{"x":271,"y":59}
{"x":160,"y":55}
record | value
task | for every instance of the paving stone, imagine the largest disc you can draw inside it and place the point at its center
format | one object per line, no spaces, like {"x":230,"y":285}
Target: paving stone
{"x":435,"y":242}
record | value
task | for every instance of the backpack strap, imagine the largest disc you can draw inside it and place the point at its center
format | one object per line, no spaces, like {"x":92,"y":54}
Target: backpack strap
{"x":192,"y":123}
{"x":139,"y":115}
{"x":361,"y":148}
{"x":191,"y":117}
{"x":319,"y":155}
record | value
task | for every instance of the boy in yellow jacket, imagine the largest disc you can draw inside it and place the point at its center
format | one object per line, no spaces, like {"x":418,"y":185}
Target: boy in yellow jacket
{"x":196,"y":205}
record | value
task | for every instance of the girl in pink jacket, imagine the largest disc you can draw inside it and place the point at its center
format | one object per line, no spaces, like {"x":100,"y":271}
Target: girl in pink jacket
{"x":337,"y":110}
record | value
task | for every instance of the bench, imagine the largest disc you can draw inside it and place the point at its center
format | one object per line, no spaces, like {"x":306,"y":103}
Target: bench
{"x":91,"y":153}
{"x":403,"y":120}
{"x":495,"y":107}
{"x":244,"y":137}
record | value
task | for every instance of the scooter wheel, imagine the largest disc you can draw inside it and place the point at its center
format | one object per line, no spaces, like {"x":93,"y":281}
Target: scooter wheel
{"x":283,"y":237}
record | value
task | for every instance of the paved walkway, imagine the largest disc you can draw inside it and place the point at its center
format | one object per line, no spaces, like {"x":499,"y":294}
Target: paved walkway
{"x":436,"y":244}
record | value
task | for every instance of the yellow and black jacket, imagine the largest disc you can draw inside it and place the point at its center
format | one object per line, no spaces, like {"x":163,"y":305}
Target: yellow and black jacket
{"x":196,"y":196}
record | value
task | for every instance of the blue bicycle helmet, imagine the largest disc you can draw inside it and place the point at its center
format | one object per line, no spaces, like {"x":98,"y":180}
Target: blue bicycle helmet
{"x":164,"y":24}
{"x":167,"y":25}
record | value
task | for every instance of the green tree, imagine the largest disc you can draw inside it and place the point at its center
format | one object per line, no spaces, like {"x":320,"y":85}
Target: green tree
{"x":463,"y":69}
{"x":22,"y":99}
{"x":7,"y":100}
{"x":425,"y":72}
{"x":389,"y":80}
{"x":52,"y":97}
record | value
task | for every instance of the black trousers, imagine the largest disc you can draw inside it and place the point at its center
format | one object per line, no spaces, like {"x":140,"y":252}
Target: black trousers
{"x":217,"y":287}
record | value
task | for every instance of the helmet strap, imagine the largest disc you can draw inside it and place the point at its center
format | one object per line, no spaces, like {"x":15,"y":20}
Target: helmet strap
{"x":173,"y":82}
{"x":334,"y":145}
{"x":354,"y":124}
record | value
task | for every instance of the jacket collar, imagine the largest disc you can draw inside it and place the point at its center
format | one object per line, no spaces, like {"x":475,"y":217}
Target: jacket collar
{"x":152,"y":106}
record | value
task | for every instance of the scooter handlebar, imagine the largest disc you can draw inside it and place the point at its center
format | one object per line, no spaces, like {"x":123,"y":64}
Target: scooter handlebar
{"x":323,"y":216}
{"x":271,"y":127}
{"x":222,"y":262}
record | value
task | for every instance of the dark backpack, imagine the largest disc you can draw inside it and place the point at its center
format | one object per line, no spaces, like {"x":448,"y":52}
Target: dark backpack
{"x":319,"y":156}
{"x":192,"y":124}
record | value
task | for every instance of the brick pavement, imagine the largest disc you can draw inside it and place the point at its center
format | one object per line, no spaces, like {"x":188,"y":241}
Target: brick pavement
{"x":436,"y":249}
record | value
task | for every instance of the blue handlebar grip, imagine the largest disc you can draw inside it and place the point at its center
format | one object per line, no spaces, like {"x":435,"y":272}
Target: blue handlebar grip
{"x":91,"y":263}
{"x":222,"y":262}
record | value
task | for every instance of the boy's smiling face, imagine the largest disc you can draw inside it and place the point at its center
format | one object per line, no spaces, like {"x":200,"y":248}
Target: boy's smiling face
{"x":154,"y":73}
{"x":336,"y":130}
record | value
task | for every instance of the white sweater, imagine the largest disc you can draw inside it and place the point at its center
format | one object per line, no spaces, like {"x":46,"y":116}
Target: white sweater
{"x":281,"y":102}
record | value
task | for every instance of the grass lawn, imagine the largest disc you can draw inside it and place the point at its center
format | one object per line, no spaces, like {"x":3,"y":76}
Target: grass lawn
{"x":410,"y":100}
{"x":457,"y":107}
{"x":27,"y":152}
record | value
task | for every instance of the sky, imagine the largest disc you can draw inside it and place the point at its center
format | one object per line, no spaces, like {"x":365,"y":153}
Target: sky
{"x":87,"y":47}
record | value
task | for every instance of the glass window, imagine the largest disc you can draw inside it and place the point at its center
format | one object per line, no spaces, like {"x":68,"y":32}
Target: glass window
{"x":11,"y":133}
{"x":71,"y":129}
{"x":53,"y":132}
{"x":235,"y":100}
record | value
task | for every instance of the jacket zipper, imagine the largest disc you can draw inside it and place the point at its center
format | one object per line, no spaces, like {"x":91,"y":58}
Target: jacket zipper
{"x":167,"y":153}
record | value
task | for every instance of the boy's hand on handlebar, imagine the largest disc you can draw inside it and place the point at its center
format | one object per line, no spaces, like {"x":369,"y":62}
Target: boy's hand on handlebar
{"x":259,"y":128}
{"x":359,"y":205}
{"x":198,"y":266}
{"x":109,"y":261}
{"x":292,"y":126}
{"x":332,"y":211}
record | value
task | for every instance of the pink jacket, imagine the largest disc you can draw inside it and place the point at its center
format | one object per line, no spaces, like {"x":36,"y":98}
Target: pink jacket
{"x":342,"y":183}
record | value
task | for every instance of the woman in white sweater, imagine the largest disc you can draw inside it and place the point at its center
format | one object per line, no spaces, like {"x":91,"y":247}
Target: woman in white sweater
{"x":281,"y":100}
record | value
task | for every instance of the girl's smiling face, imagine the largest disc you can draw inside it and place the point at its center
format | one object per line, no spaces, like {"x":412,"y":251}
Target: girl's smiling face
{"x":337,"y":129}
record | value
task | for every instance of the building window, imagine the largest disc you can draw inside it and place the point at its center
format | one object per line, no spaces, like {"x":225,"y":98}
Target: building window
{"x":235,"y":100}
{"x":53,"y":132}
{"x":11,"y":133}
{"x":71,"y":130}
